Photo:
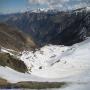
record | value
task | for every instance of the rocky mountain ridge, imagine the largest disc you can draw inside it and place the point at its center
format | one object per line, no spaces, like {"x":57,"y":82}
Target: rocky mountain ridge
{"x":64,"y":28}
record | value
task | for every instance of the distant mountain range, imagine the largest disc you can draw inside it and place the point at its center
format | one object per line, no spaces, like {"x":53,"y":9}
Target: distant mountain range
{"x":52,"y":26}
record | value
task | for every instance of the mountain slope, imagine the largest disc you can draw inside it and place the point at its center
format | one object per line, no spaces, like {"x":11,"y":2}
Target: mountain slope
{"x":7,"y":60}
{"x":54,"y":61}
{"x":62,"y":64}
{"x":12,"y":38}
{"x":57,"y":27}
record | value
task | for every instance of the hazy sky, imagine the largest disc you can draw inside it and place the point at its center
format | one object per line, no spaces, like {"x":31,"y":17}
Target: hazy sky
{"x":12,"y":6}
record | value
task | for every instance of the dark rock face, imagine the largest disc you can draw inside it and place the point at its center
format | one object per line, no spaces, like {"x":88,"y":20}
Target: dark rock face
{"x":64,"y":28}
{"x":74,"y":31}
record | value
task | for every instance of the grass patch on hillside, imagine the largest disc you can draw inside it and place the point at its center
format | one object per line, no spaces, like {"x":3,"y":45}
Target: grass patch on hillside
{"x":40,"y":85}
{"x":32,"y":85}
{"x":7,"y":60}
{"x":3,"y":81}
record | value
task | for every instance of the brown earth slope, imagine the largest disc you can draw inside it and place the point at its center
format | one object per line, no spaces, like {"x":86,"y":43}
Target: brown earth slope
{"x":12,"y":38}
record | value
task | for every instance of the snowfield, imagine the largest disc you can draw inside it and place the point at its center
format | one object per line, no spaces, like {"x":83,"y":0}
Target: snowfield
{"x":88,"y":8}
{"x":55,"y":63}
{"x":59,"y":61}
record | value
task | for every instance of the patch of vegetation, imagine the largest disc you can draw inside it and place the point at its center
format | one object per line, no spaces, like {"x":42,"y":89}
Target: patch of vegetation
{"x":3,"y":81}
{"x":7,"y":60}
{"x":40,"y":85}
{"x":33,"y":85}
{"x":4,"y":84}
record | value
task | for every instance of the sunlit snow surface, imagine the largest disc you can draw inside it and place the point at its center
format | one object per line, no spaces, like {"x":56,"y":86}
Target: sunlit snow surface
{"x":88,"y":8}
{"x":59,"y":61}
{"x":55,"y":64}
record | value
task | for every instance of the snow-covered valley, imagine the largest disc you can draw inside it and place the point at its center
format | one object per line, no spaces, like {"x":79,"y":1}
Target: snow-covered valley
{"x":59,"y":61}
{"x":54,"y":63}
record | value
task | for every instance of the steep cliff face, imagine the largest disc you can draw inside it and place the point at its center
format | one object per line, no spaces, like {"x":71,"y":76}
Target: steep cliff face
{"x":75,"y":29}
{"x":64,"y":28}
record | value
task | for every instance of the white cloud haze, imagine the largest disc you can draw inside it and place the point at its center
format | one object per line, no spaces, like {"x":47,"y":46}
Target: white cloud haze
{"x":62,"y":4}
